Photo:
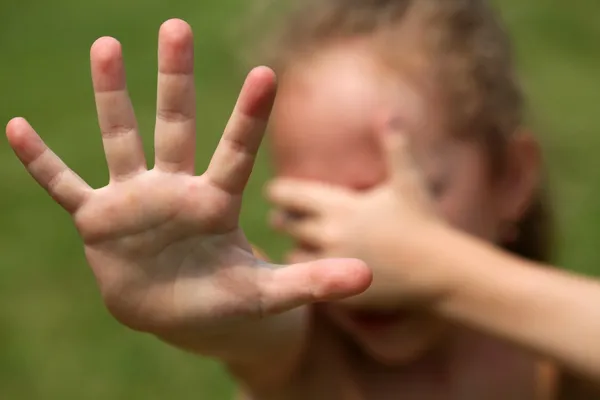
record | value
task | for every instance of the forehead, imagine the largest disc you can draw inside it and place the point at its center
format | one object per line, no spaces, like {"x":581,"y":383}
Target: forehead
{"x":328,"y":108}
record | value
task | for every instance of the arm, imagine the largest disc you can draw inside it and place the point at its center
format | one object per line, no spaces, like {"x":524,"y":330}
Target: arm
{"x":165,"y":244}
{"x":548,"y":311}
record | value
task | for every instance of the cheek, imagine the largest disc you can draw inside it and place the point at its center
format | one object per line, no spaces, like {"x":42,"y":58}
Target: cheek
{"x":469,"y":206}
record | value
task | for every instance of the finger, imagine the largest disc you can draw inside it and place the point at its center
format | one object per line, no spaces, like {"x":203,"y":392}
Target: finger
{"x":303,"y":197}
{"x":122,"y":143}
{"x":305,"y":229}
{"x":234,"y":157}
{"x":403,"y":166}
{"x":63,"y":185}
{"x":175,"y":132}
{"x":316,"y":281}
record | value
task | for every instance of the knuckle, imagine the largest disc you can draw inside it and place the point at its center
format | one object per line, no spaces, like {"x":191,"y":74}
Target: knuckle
{"x":170,"y":115}
{"x":117,"y":130}
{"x":238,"y":146}
{"x":54,"y":183}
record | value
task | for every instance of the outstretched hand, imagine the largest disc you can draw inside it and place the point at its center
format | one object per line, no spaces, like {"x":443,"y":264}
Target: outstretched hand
{"x":165,"y":245}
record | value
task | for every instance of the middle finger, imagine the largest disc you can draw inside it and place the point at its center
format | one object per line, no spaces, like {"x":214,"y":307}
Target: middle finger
{"x":175,"y":131}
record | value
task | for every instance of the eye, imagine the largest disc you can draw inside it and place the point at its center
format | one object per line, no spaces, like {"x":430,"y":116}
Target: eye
{"x":294,"y":215}
{"x":437,"y":187}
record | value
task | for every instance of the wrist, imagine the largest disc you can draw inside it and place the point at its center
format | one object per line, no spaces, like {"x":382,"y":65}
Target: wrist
{"x":438,"y":258}
{"x":482,"y":281}
{"x":412,"y":267}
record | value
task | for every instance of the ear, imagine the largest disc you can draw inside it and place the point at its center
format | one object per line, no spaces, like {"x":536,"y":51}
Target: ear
{"x":521,"y":176}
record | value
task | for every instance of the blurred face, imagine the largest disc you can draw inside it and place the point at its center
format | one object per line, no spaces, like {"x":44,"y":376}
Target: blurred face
{"x":322,"y":129}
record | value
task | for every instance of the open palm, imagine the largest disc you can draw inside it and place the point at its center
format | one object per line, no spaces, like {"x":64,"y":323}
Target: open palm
{"x":164,"y":244}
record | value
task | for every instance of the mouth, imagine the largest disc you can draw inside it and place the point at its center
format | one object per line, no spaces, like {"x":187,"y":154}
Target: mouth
{"x":373,"y":320}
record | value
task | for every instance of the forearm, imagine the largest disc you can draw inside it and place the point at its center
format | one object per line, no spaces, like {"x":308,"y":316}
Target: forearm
{"x":543,"y":309}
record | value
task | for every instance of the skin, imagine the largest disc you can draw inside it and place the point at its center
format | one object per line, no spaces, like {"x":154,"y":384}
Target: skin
{"x":331,"y":213}
{"x":179,"y":267}
{"x":324,"y":128}
{"x":164,"y":244}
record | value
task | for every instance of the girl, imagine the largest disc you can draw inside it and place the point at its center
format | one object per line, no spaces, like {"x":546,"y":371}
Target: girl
{"x":444,"y":70}
{"x":171,"y":260}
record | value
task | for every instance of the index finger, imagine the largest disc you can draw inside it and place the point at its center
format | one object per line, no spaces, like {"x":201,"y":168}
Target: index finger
{"x":303,"y":197}
{"x":234,"y":157}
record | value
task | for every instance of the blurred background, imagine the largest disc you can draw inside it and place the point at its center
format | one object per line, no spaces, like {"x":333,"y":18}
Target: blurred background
{"x":56,"y":339}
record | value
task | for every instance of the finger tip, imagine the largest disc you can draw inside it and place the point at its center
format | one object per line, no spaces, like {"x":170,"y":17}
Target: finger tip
{"x":274,"y":190}
{"x":344,"y":277}
{"x":175,"y":23}
{"x":16,"y":127}
{"x":106,"y":57}
{"x":279,"y":188}
{"x":258,"y":93}
{"x":105,"y":49}
{"x":357,"y":272}
{"x":264,"y":73}
{"x":24,"y":141}
{"x":175,"y":31}
{"x":268,"y":189}
{"x":360,"y":268}
{"x":175,"y":47}
{"x":15,"y":122}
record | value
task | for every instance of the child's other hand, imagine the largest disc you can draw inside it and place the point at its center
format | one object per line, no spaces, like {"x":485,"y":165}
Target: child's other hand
{"x":165,"y":245}
{"x":389,"y":227}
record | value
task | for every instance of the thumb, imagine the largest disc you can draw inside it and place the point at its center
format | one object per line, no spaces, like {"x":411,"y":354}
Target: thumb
{"x":316,"y":281}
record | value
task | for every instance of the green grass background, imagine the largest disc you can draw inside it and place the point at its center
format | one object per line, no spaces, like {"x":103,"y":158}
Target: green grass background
{"x":56,"y":339}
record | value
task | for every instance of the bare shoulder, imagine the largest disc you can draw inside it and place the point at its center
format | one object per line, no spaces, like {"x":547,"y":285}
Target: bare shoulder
{"x":558,"y":384}
{"x":574,"y":387}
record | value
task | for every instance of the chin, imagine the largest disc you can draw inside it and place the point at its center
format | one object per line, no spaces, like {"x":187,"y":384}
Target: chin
{"x":400,"y":351}
{"x":392,"y":338}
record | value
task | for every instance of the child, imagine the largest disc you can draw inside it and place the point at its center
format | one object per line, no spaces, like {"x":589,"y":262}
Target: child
{"x":444,"y":70}
{"x":171,"y":260}
{"x":460,"y":278}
